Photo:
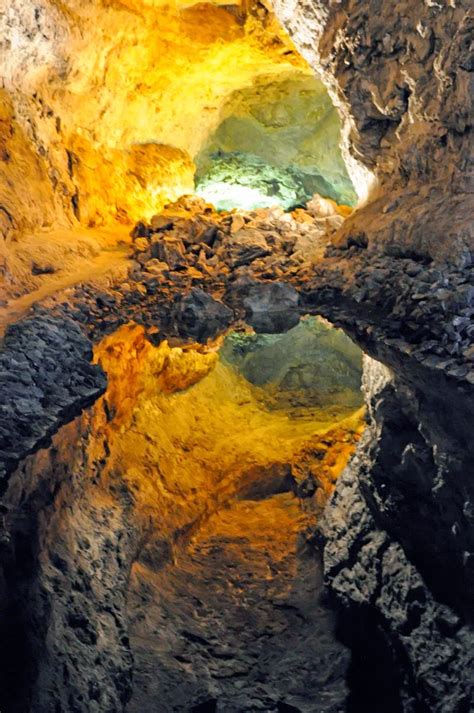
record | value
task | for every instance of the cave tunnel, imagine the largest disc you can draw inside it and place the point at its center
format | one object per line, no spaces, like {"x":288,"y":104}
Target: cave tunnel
{"x":236,"y":358}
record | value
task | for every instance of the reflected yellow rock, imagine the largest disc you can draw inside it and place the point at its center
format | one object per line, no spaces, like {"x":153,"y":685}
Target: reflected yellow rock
{"x":185,"y":432}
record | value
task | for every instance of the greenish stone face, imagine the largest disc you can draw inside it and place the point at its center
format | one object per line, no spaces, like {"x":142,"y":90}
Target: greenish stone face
{"x":312,"y":365}
{"x":279,"y":144}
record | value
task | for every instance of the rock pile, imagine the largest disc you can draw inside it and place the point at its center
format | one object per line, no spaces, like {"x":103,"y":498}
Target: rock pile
{"x":189,"y":250}
{"x":195,"y":271}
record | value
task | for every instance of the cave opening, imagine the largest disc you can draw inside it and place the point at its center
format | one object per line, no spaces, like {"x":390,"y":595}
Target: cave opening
{"x":278,"y":144}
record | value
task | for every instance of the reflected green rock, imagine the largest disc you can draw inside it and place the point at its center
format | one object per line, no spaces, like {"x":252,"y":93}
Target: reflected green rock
{"x":312,"y":365}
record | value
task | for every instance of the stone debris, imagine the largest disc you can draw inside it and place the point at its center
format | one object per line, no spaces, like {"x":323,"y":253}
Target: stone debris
{"x":424,"y":310}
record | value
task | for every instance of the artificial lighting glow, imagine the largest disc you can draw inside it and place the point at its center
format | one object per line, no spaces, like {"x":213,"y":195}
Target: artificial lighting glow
{"x":226,"y":196}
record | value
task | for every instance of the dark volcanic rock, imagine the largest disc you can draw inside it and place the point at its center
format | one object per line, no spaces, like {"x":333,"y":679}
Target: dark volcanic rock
{"x":272,"y":307}
{"x":200,"y":316}
{"x":64,"y":561}
{"x":46,"y":379}
{"x":392,"y":557}
{"x":245,"y":246}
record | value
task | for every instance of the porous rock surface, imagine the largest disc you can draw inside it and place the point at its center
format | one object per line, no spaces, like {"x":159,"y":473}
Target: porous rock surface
{"x":393,"y":557}
{"x":402,"y":79}
{"x":46,"y":379}
{"x":63,"y":581}
{"x":398,"y":277}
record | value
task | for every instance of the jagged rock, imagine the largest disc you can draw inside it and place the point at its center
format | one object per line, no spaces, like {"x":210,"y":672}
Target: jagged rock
{"x":46,"y":380}
{"x":199,"y":316}
{"x":170,"y":250}
{"x":42,"y":269}
{"x":161,"y":222}
{"x":245,"y":246}
{"x":376,"y":578}
{"x":271,"y":308}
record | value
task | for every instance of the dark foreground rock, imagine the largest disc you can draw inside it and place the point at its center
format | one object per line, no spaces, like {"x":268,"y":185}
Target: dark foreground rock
{"x":396,"y":557}
{"x":46,"y":379}
{"x":200,"y":316}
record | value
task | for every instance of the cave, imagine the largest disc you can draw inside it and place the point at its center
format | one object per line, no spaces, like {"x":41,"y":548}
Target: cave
{"x":236,"y":357}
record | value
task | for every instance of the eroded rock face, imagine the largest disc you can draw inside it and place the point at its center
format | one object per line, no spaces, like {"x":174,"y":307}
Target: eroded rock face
{"x":396,"y":556}
{"x":64,"y":581}
{"x":281,"y":141}
{"x":47,"y":379}
{"x":104,"y":105}
{"x":402,"y":80}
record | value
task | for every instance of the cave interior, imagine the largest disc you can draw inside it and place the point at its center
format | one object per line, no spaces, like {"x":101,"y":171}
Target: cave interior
{"x":236,"y":357}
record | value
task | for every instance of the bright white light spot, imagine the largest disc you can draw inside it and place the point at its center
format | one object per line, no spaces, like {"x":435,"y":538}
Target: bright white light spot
{"x":226,"y":196}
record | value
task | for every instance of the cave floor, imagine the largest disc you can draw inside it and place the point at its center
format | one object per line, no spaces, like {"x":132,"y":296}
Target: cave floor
{"x":236,"y":623}
{"x":63,"y":258}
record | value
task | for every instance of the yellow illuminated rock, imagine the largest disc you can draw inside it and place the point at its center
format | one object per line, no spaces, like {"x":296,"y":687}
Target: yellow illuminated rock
{"x":186,"y":432}
{"x":108,"y":102}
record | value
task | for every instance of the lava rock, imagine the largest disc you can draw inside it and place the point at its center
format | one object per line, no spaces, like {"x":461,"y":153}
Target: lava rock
{"x":200,"y":316}
{"x":46,"y":380}
{"x":271,"y":308}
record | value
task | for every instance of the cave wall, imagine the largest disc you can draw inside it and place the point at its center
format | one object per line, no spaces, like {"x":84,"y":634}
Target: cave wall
{"x":105,"y":104}
{"x":398,"y":537}
{"x":401,"y":77}
{"x":398,"y":530}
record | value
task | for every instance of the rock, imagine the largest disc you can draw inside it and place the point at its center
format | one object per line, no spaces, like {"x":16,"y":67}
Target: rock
{"x":42,"y":269}
{"x":271,"y":308}
{"x":140,"y":230}
{"x":319,"y":207}
{"x":161,"y":222}
{"x":46,"y":379}
{"x":200,"y":316}
{"x":141,"y":244}
{"x":237,"y":222}
{"x":156,"y":267}
{"x":169,"y":250}
{"x":245,"y":246}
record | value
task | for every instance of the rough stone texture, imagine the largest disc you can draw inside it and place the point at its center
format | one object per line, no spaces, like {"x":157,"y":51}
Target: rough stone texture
{"x":270,"y":308}
{"x":398,"y":277}
{"x":104,"y":104}
{"x":63,"y":582}
{"x":416,"y":319}
{"x":239,"y":620}
{"x":402,"y":79}
{"x":46,"y":379}
{"x":199,"y":316}
{"x":371,"y":570}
